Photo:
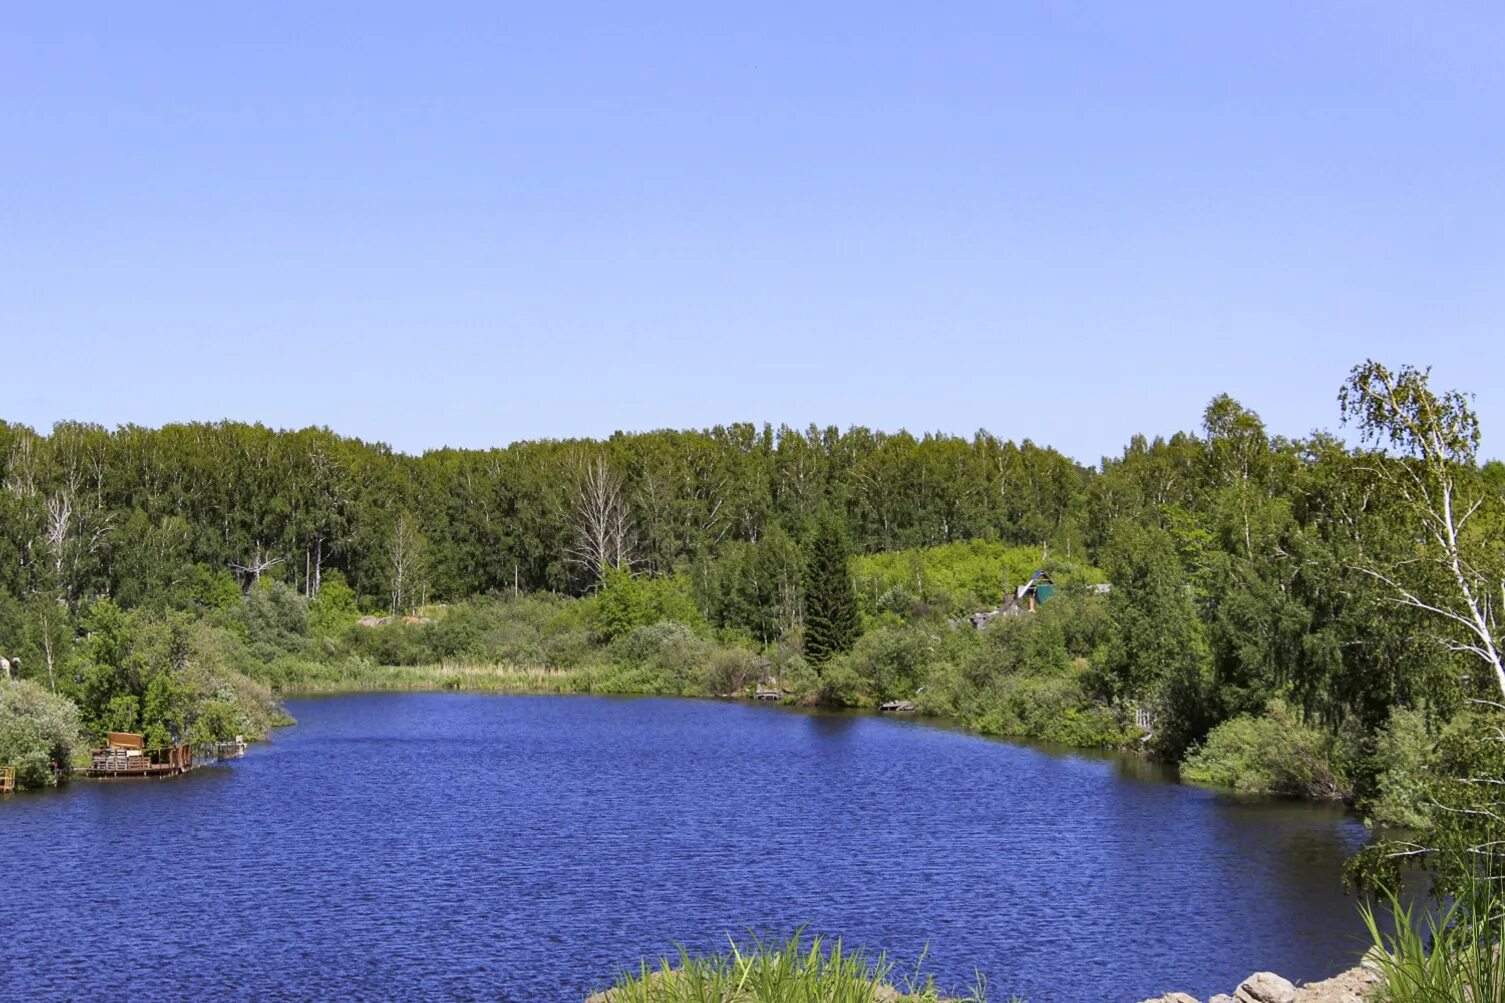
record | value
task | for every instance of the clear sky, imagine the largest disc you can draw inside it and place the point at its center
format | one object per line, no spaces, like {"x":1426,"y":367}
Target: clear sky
{"x":469,"y":223}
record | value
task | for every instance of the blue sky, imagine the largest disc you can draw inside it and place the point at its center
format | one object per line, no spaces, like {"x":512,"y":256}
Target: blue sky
{"x":470,"y":223}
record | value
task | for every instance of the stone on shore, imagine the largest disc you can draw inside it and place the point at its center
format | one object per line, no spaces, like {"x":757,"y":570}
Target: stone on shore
{"x":1265,"y":987}
{"x":1352,"y":986}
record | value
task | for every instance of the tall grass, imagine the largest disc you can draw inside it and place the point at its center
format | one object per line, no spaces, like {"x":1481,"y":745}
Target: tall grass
{"x":305,"y":677}
{"x":764,"y":971}
{"x":1447,"y":955}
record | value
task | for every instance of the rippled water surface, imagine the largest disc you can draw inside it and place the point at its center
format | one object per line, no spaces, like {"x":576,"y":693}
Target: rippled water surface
{"x":448,"y":846}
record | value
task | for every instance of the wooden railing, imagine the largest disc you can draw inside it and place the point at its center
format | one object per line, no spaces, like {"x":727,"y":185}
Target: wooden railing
{"x":7,"y":779}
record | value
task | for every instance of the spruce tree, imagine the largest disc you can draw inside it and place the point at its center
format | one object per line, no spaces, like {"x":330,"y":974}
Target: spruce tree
{"x":831,"y":622}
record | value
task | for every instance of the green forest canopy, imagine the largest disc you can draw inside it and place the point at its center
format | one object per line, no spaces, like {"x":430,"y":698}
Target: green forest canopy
{"x":145,"y":573}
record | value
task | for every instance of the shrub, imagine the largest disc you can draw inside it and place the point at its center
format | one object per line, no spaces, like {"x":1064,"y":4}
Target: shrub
{"x":671,"y":651}
{"x":37,"y":730}
{"x":1402,"y":753}
{"x":732,"y":670}
{"x":795,"y":675}
{"x":275,"y":619}
{"x":896,"y":660}
{"x":333,"y":609}
{"x":626,"y":602}
{"x":1272,"y":753}
{"x":840,"y":685}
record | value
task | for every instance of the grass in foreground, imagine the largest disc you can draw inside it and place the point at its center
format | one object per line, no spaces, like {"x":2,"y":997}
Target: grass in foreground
{"x":1451,"y":956}
{"x":789,"y":972}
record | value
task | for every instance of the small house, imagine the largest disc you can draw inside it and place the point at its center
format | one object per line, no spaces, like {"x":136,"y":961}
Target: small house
{"x":1035,"y":592}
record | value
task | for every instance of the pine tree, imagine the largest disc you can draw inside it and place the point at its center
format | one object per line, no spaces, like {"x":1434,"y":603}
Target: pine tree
{"x":831,"y":623}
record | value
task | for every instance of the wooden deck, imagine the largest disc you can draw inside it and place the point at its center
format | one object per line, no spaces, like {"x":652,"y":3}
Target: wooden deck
{"x":125,"y":758}
{"x":100,"y":772}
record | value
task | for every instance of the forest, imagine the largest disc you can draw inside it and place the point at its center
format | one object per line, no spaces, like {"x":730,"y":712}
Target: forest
{"x":1305,"y":616}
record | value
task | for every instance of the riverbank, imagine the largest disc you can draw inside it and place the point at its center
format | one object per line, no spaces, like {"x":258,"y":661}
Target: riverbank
{"x":762,"y":973}
{"x":1362,"y":982}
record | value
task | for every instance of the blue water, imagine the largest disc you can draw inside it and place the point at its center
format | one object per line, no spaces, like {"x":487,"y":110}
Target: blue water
{"x":476,"y":847}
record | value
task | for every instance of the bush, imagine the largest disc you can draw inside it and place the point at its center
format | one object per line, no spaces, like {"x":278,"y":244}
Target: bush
{"x":669,"y":650}
{"x":37,"y":731}
{"x":1402,"y":754}
{"x":840,"y":685}
{"x":896,"y":660}
{"x":1272,"y":753}
{"x":732,"y":671}
{"x":275,"y":620}
{"x":333,"y":609}
{"x":626,"y":602}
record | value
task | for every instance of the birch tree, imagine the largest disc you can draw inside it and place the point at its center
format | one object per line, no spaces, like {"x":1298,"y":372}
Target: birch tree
{"x":603,"y":522}
{"x":407,"y":551}
{"x":1454,"y":576}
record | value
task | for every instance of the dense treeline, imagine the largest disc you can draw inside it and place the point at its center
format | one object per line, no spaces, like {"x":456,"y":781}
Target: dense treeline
{"x":1253,"y":628}
{"x":89,"y":511}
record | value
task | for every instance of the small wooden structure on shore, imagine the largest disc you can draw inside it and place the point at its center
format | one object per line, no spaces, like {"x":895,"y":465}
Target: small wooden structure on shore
{"x":7,"y":779}
{"x":125,"y":754}
{"x":898,"y":707}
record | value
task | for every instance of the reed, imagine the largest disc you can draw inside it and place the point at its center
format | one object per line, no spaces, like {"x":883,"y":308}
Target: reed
{"x":1450,"y":954}
{"x":791,"y":971}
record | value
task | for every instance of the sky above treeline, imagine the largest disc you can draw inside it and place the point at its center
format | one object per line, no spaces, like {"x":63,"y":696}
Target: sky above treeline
{"x":471,"y":223}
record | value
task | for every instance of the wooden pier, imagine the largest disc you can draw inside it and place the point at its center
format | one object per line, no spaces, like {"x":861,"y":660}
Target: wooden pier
{"x":125,"y":755}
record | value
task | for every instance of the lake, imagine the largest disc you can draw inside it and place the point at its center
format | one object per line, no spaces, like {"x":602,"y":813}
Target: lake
{"x":483,"y":847}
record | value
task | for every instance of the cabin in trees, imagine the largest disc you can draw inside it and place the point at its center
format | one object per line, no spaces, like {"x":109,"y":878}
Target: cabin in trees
{"x":1034,"y":593}
{"x":1027,"y":598}
{"x":125,"y":754}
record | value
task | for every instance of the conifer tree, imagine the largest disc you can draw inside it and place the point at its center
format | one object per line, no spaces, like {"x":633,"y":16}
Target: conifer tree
{"x":831,"y":622}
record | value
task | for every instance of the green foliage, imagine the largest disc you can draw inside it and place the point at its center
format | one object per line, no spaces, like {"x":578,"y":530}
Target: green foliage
{"x":954,"y":579}
{"x":274,"y":618}
{"x":333,"y":609}
{"x":1401,"y":768}
{"x":793,"y":971}
{"x":1245,"y":569}
{"x":732,"y":671}
{"x":626,"y":602}
{"x":674,"y":656}
{"x":1156,"y":650}
{"x":895,"y":661}
{"x":1445,"y":955}
{"x":831,"y":618}
{"x":1272,"y":753}
{"x":37,"y":732}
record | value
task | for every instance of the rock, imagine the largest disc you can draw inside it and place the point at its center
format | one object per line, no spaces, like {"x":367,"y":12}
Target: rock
{"x":1265,"y":987}
{"x":1174,"y":998}
{"x":1352,"y":986}
{"x":1373,"y":962}
{"x":1222,"y":998}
